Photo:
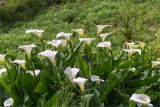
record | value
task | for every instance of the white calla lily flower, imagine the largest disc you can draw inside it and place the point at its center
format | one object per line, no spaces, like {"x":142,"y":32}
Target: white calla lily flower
{"x":140,"y":44}
{"x":141,"y":99}
{"x":132,"y":69}
{"x":2,"y":59}
{"x":155,"y":64}
{"x":79,"y":31}
{"x":3,"y":70}
{"x":129,"y":45}
{"x":38,"y":33}
{"x":9,"y":102}
{"x":132,"y":51}
{"x":96,"y":78}
{"x":28,"y":49}
{"x":135,"y":45}
{"x":37,"y":72}
{"x":57,"y":43}
{"x":81,"y":82}
{"x":100,"y":28}
{"x":20,"y":63}
{"x":66,"y":36}
{"x":86,"y":40}
{"x":105,"y":35}
{"x":104,"y":45}
{"x":139,"y":51}
{"x":51,"y":55}
{"x":71,"y":72}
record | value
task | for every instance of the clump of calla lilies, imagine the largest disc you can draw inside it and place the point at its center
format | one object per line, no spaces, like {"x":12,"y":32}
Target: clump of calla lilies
{"x":73,"y":72}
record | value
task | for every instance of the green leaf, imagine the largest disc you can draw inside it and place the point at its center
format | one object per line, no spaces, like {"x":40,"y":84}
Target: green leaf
{"x":70,"y":61}
{"x":132,"y":104}
{"x":84,"y":70}
{"x":125,"y":64}
{"x":28,"y":83}
{"x":9,"y":89}
{"x":105,"y":68}
{"x":115,"y":78}
{"x":95,"y":101}
{"x":146,"y":81}
{"x":42,"y":86}
{"x":86,"y":100}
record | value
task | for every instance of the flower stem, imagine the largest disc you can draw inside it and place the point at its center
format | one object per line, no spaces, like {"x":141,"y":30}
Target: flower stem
{"x":42,"y":44}
{"x":32,"y":67}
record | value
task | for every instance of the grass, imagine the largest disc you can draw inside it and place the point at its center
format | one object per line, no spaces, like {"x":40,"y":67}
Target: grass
{"x":143,"y":18}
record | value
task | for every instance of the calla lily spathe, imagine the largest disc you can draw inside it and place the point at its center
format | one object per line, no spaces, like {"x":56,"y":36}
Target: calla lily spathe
{"x":132,"y":51}
{"x":38,"y":33}
{"x":105,"y":35}
{"x":79,"y":31}
{"x":100,"y":28}
{"x":139,"y":44}
{"x":3,"y":70}
{"x":66,"y":36}
{"x":2,"y":59}
{"x":141,"y":99}
{"x":96,"y":78}
{"x":139,"y":51}
{"x":86,"y":40}
{"x":57,"y":43}
{"x":129,"y":45}
{"x":155,"y":64}
{"x":51,"y":55}
{"x":28,"y":49}
{"x":104,"y":45}
{"x":20,"y":63}
{"x":132,"y":69}
{"x":81,"y":82}
{"x":9,"y":102}
{"x":71,"y":72}
{"x":135,"y":45}
{"x":37,"y":72}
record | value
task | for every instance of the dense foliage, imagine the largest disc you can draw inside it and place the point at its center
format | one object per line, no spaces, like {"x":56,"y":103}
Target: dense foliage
{"x":14,"y":10}
{"x":124,"y":72}
{"x":114,"y":69}
{"x":138,"y":20}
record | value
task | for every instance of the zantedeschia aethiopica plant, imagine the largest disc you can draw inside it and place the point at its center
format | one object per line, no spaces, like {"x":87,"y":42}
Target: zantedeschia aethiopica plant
{"x":81,"y":82}
{"x":3,"y":70}
{"x":20,"y":63}
{"x":63,"y":35}
{"x":9,"y":102}
{"x":51,"y":55}
{"x":28,"y":49}
{"x":2,"y":59}
{"x":38,"y":33}
{"x":71,"y":72}
{"x":142,"y":100}
{"x":104,"y":45}
{"x":100,"y":28}
{"x":37,"y":72}
{"x":44,"y":82}
{"x":105,"y":35}
{"x":57,"y":43}
{"x":86,"y":40}
{"x":96,"y":78}
{"x":79,"y":31}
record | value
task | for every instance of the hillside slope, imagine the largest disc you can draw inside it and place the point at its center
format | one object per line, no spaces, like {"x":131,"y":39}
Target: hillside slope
{"x":139,"y":19}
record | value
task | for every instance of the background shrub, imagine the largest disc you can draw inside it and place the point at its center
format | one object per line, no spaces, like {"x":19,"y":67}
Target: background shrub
{"x":13,"y":10}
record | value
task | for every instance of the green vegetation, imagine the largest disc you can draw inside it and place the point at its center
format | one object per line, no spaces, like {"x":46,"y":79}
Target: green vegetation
{"x":14,"y":10}
{"x":143,"y":21}
{"x":52,"y":81}
{"x":131,"y":20}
